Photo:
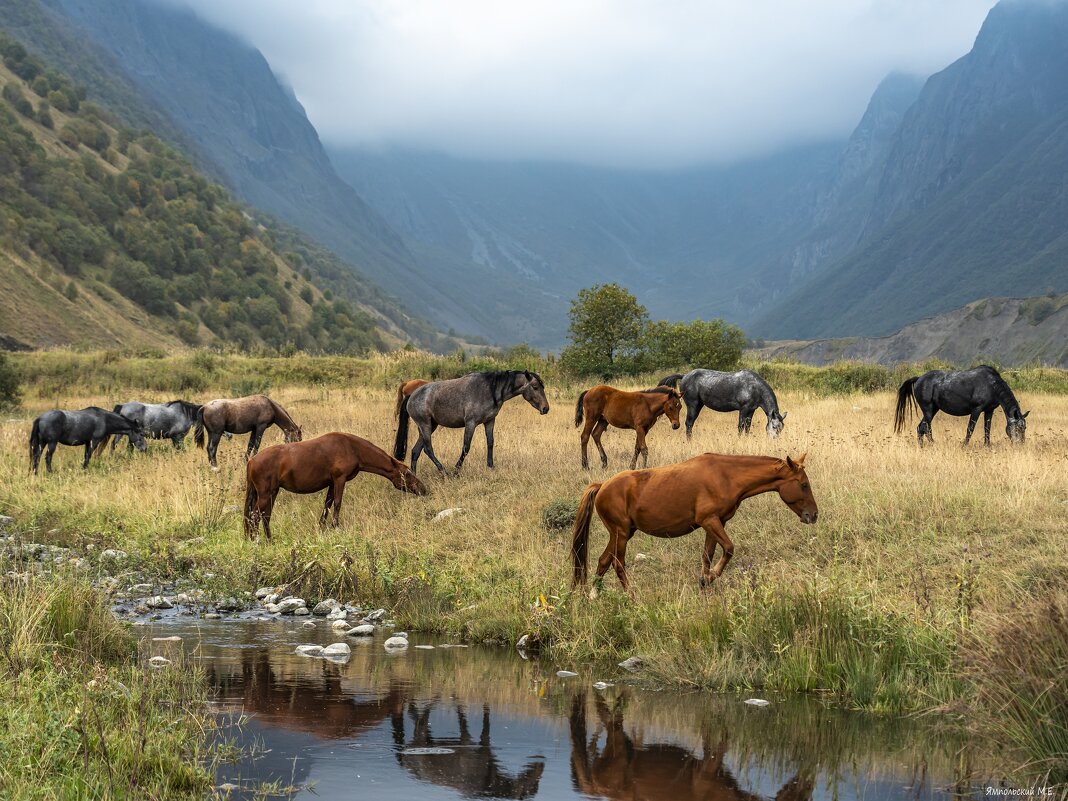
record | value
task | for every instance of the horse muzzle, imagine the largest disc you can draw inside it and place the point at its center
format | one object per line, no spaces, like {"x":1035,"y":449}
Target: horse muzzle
{"x":544,"y":409}
{"x":676,"y":426}
{"x":809,"y":517}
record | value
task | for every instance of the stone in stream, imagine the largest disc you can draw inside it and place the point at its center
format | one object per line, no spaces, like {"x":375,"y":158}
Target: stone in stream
{"x":302,"y":611}
{"x":337,"y":649}
{"x":309,"y":650}
{"x":308,"y":624}
{"x":263,"y":592}
{"x":271,"y":598}
{"x":174,"y":638}
{"x":324,"y":608}
{"x":396,"y":643}
{"x":566,"y":674}
{"x":288,"y":606}
{"x":376,"y":616}
{"x":523,"y":642}
{"x":365,"y":630}
{"x":6,"y":520}
{"x":230,"y":604}
{"x":602,"y":685}
{"x":159,"y":602}
{"x":633,"y":664}
{"x":756,"y":702}
{"x":341,"y":625}
{"x":337,"y":613}
{"x":213,"y":616}
{"x":425,"y":647}
{"x":140,"y":589}
{"x":159,"y":661}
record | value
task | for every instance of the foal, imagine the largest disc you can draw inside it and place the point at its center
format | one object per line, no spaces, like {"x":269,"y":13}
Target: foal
{"x":604,"y":406}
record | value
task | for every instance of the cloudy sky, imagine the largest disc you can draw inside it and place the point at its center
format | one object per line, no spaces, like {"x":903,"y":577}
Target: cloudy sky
{"x":643,"y":83}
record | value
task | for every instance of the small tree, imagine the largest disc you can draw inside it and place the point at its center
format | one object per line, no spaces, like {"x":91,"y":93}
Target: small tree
{"x":713,"y":344}
{"x":10,"y":391}
{"x":607,"y":324}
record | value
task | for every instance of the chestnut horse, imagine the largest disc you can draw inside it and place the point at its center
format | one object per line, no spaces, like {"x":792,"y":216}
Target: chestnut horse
{"x":405,"y":391}
{"x":606,"y":406}
{"x":251,"y":415}
{"x":327,"y":462}
{"x":702,"y":492}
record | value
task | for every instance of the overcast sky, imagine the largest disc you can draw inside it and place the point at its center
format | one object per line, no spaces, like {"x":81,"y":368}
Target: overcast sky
{"x":627,"y":83}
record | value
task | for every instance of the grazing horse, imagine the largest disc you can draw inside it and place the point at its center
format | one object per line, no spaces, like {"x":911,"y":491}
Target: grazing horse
{"x":702,"y":492}
{"x":89,"y":427}
{"x":405,"y":390}
{"x":158,"y":420}
{"x":327,"y":462}
{"x":604,"y":406}
{"x":467,"y":402}
{"x":743,"y":392}
{"x":964,"y":392}
{"x":252,"y":415}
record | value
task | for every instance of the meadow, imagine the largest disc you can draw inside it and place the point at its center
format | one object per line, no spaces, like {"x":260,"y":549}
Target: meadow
{"x":935,"y":579}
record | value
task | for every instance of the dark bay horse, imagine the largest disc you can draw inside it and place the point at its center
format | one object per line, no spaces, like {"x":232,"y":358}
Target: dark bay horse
{"x":170,"y":420}
{"x":963,"y":392}
{"x":89,"y":427}
{"x":405,"y":390}
{"x":252,"y":415}
{"x":467,"y":402}
{"x":702,"y":492}
{"x":327,"y":462}
{"x":604,"y":406}
{"x":742,"y":391}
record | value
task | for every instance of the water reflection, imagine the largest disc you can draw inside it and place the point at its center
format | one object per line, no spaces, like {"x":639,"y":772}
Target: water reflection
{"x":480,"y":723}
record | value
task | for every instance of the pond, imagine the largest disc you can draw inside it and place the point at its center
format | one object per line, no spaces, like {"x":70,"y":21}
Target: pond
{"x":482,"y":722}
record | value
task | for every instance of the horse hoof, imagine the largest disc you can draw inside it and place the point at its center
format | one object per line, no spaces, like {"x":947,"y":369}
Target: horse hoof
{"x":215,"y":468}
{"x":594,"y":593}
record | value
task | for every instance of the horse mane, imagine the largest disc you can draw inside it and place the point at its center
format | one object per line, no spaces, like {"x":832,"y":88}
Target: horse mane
{"x":1002,"y":391}
{"x":660,"y":390}
{"x":188,"y":409}
{"x":501,"y":382}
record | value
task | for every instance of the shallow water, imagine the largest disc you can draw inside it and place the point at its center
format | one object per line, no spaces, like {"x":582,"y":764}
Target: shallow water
{"x":483,"y":722}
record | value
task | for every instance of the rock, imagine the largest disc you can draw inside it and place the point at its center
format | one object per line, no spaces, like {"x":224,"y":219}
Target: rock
{"x":140,"y":589}
{"x":337,"y":649}
{"x":523,"y":642}
{"x":301,"y":611}
{"x":263,"y":592}
{"x":341,"y":625}
{"x":159,"y":661}
{"x":566,"y":674}
{"x":6,"y":520}
{"x":309,"y":650}
{"x":396,"y":643}
{"x":272,"y":598}
{"x":425,"y":647}
{"x":227,"y":787}
{"x":364,"y":630}
{"x":174,"y":638}
{"x":308,"y":624}
{"x":213,"y":616}
{"x":640,"y":557}
{"x":159,"y":602}
{"x":287,"y":606}
{"x":324,"y":608}
{"x":445,"y":514}
{"x":633,"y":664}
{"x":376,"y":616}
{"x":757,"y":702}
{"x":601,"y":685}
{"x":230,"y":604}
{"x":114,"y":553}
{"x":337,"y":613}
{"x":272,"y":608}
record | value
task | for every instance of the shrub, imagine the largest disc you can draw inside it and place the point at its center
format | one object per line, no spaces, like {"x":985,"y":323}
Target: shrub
{"x":560,"y":514}
{"x":10,"y":383}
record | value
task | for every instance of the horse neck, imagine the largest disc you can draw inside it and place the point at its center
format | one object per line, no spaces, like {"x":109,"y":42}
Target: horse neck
{"x":761,"y":482}
{"x":768,"y":402}
{"x":282,"y":415}
{"x":1006,"y":398}
{"x":513,"y":390}
{"x":379,"y":462}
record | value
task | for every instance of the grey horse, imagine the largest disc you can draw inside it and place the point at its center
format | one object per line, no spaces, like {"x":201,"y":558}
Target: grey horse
{"x":170,"y":420}
{"x":89,"y":427}
{"x":467,"y":402}
{"x":742,"y":391}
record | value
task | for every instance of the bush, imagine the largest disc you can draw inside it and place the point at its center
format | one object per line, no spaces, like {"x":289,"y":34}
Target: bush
{"x":10,"y":383}
{"x":560,"y":514}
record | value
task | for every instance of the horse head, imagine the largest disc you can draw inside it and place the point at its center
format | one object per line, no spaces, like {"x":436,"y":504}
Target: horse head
{"x":1016,"y":427}
{"x":776,"y":422}
{"x":295,"y":434}
{"x":406,"y":481}
{"x":796,"y":492}
{"x":673,"y":407}
{"x":534,"y":392}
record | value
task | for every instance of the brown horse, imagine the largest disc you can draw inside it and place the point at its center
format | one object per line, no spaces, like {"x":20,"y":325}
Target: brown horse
{"x":252,"y":415}
{"x":405,"y":390}
{"x":702,"y":492}
{"x":607,"y":406}
{"x":327,"y":462}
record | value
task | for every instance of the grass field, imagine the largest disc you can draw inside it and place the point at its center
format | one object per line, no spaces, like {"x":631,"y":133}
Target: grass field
{"x":889,"y":603}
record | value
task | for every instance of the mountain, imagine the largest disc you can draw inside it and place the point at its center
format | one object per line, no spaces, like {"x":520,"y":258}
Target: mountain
{"x":1007,"y":331}
{"x":971,"y":199}
{"x":110,"y":237}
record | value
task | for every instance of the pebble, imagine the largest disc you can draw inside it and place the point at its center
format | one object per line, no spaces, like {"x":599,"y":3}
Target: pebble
{"x":445,"y":514}
{"x":566,"y":674}
{"x":341,"y":625}
{"x":302,"y":611}
{"x":6,"y":520}
{"x":601,"y":685}
{"x":365,"y":630}
{"x":159,"y":602}
{"x":376,"y":616}
{"x":230,"y":604}
{"x":396,"y":643}
{"x":309,"y":624}
{"x":309,"y":650}
{"x":425,"y":647}
{"x":756,"y":702}
{"x":336,"y":613}
{"x":213,"y":616}
{"x":174,"y":638}
{"x":226,"y":787}
{"x":114,"y":553}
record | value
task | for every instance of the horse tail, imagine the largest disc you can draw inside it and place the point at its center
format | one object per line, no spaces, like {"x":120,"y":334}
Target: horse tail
{"x":581,"y":534}
{"x":198,"y":432}
{"x":578,"y":408}
{"x":250,"y":500}
{"x":400,"y":445}
{"x":906,"y":403}
{"x":99,"y":449}
{"x":35,"y":439}
{"x":670,"y":380}
{"x":400,"y":399}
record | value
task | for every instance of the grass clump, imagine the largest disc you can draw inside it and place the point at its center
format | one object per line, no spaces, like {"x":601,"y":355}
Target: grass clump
{"x":559,"y":514}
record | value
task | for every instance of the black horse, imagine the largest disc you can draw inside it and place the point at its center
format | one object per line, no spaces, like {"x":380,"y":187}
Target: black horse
{"x":467,"y":402}
{"x":963,"y":392}
{"x":742,"y":391}
{"x":89,"y":427}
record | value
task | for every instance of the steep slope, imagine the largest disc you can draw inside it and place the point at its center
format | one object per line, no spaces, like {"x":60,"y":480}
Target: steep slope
{"x":972,"y":199}
{"x":1007,"y":331}
{"x":111,"y":237}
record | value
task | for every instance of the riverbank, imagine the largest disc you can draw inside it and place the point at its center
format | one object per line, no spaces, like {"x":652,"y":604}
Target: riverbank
{"x":892,"y":603}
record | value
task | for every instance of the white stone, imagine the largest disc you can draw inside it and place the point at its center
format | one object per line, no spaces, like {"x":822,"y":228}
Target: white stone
{"x":309,"y":650}
{"x":445,"y":514}
{"x":566,"y":674}
{"x":159,"y":661}
{"x":174,"y":638}
{"x":396,"y":643}
{"x":159,"y":602}
{"x":364,"y":630}
{"x":756,"y":702}
{"x":287,"y":606}
{"x":337,"y":649}
{"x":340,"y":625}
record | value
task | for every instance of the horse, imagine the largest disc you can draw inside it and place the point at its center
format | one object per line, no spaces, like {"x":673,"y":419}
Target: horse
{"x":743,"y":391}
{"x":89,"y":427}
{"x":963,"y":392}
{"x":604,"y":406}
{"x":467,"y":402}
{"x":405,"y":390}
{"x":170,"y":420}
{"x":327,"y":462}
{"x":251,"y":415}
{"x":672,"y":501}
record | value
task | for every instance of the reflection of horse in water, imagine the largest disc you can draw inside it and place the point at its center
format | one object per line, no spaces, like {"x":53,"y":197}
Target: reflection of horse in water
{"x":627,"y":769}
{"x":472,"y":769}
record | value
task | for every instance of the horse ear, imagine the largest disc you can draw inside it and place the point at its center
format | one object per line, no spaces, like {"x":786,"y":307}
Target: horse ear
{"x":1025,"y":414}
{"x":783,"y":416}
{"x":791,"y":463}
{"x":528,"y":375}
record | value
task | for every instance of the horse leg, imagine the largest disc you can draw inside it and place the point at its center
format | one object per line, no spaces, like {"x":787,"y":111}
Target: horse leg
{"x":584,"y":440}
{"x":417,"y":449}
{"x":691,"y":417}
{"x":254,"y":441}
{"x":88,"y":453}
{"x":213,"y":448}
{"x":644,"y":447}
{"x":177,"y":440}
{"x":265,"y":514}
{"x":426,"y":432}
{"x":326,"y":506}
{"x":598,"y":430}
{"x":469,"y":433}
{"x":988,"y":416}
{"x":715,"y":533}
{"x":489,"y":442}
{"x":115,"y":441}
{"x":339,"y":491}
{"x":48,"y":455}
{"x":615,"y":554}
{"x":972,"y":420}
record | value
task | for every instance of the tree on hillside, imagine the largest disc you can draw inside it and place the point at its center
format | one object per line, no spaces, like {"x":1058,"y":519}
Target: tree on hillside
{"x":713,"y":344}
{"x":607,"y":324}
